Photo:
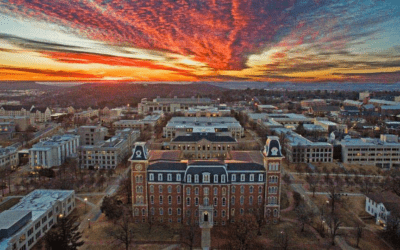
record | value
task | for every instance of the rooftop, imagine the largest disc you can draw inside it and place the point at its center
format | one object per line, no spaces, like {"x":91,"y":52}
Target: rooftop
{"x":195,"y":137}
{"x":41,"y":199}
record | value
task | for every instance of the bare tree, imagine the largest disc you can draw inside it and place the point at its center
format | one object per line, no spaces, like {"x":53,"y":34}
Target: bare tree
{"x":188,"y":232}
{"x":334,"y":195}
{"x":258,"y":213}
{"x":304,"y":216}
{"x":359,"y":233}
{"x":123,"y":232}
{"x":313,"y":181}
{"x":282,"y":240}
{"x":334,"y":223}
{"x":287,"y":180}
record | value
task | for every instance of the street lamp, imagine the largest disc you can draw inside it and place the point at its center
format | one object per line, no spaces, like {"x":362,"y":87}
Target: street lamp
{"x":85,"y":204}
{"x":89,"y":222}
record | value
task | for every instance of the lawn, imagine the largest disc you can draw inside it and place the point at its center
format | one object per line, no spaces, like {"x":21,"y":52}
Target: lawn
{"x":368,"y":241}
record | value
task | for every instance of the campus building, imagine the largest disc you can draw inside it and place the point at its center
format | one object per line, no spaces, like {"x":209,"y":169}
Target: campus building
{"x":301,"y":150}
{"x":108,"y":154}
{"x":90,"y":135}
{"x":37,"y":114}
{"x":8,"y":157}
{"x":171,"y":104}
{"x":24,"y":224}
{"x":383,"y":152}
{"x":220,"y":192}
{"x":191,"y":123}
{"x":203,"y":145}
{"x":53,"y":151}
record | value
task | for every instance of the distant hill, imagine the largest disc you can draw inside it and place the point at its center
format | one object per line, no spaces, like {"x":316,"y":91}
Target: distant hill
{"x":27,"y":85}
{"x":113,"y":95}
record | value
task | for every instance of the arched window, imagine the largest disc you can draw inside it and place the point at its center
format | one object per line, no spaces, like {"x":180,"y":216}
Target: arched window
{"x":151,"y":189}
{"x":223,"y":201}
{"x":251,"y":200}
{"x":205,"y":191}
{"x":233,"y":189}
{"x":241,"y":200}
{"x":251,"y":188}
{"x":233,"y":200}
{"x":161,"y":199}
{"x":178,"y":211}
{"x":188,"y":191}
{"x":188,"y":201}
{"x":259,"y":200}
{"x":241,"y":211}
{"x":223,"y":213}
{"x":169,"y":199}
{"x":260,"y":189}
{"x":143,"y":212}
{"x":152,"y":211}
{"x":196,"y":201}
{"x":196,"y":191}
{"x":215,"y":201}
{"x":215,"y":213}
{"x":178,"y":199}
{"x":178,"y":189}
{"x":206,"y":201}
{"x":169,"y":211}
{"x":169,"y":189}
{"x":275,"y":213}
{"x":161,"y":211}
{"x":223,"y":191}
{"x":215,"y":191}
{"x":242,"y":189}
{"x":136,"y":211}
{"x":160,"y":188}
{"x":151,"y":199}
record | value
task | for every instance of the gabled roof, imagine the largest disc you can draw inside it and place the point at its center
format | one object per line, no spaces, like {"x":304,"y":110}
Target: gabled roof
{"x":41,"y":109}
{"x":16,"y":107}
{"x":139,"y":152}
{"x":195,"y":137}
{"x":390,"y":200}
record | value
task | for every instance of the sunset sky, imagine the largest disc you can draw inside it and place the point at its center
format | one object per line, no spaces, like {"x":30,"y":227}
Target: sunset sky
{"x":200,"y":40}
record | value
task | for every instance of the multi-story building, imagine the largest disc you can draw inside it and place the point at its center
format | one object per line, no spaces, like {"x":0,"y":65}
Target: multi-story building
{"x":86,"y":114}
{"x":383,"y":152}
{"x":348,"y":102}
{"x":23,"y":225}
{"x":217,"y":192}
{"x":108,"y":154}
{"x":21,"y":122}
{"x":148,"y":122}
{"x":205,"y":111}
{"x":313,"y":102}
{"x":90,"y":135}
{"x":53,"y":151}
{"x":8,"y":157}
{"x":171,"y":104}
{"x":301,"y":150}
{"x":38,"y":114}
{"x":284,"y":119}
{"x":7,"y":130}
{"x":379,"y":103}
{"x":189,"y":123}
{"x":203,"y":145}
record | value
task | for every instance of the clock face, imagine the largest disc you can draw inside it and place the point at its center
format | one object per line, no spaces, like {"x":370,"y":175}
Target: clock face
{"x":138,"y":167}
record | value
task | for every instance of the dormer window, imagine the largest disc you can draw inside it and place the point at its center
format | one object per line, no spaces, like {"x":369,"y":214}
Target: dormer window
{"x":242,"y":177}
{"x":178,"y":177}
{"x":260,"y":177}
{"x":223,"y":178}
{"x":215,"y":178}
{"x":252,"y":177}
{"x":160,"y":177}
{"x":169,"y":177}
{"x":233,"y":177}
{"x":196,"y":178}
{"x":206,"y":177}
{"x":189,"y":178}
{"x":151,"y":177}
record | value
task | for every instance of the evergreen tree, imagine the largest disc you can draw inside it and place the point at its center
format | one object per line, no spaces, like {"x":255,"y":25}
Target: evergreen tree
{"x":64,"y":235}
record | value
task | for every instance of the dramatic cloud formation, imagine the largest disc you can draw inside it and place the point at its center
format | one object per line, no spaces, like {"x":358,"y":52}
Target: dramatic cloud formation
{"x":190,"y":40}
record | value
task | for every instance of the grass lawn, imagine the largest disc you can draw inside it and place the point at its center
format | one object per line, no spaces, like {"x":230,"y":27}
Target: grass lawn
{"x":368,"y":241}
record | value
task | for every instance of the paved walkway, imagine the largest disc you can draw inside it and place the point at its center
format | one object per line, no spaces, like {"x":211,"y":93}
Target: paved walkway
{"x":332,"y":174}
{"x":343,"y":194}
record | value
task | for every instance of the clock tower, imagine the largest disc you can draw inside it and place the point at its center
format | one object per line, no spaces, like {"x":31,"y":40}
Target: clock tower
{"x":273,"y":168}
{"x":139,"y":163}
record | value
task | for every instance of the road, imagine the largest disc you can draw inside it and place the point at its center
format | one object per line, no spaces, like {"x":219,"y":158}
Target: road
{"x":95,"y":212}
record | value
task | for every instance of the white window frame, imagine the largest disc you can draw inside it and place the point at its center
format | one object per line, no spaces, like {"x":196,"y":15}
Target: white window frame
{"x":206,"y":177}
{"x":233,"y":177}
{"x":215,"y":178}
{"x":160,"y":178}
{"x":242,"y":177}
{"x":196,"y":178}
{"x":260,"y":177}
{"x":223,"y":178}
{"x":189,"y":178}
{"x":151,"y":177}
{"x":178,"y":177}
{"x":169,"y":177}
{"x":252,"y":177}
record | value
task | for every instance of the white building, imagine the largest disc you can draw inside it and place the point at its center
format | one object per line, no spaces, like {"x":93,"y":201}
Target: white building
{"x":8,"y":157}
{"x":28,"y":221}
{"x":381,"y":205}
{"x":205,"y":111}
{"x":301,"y":150}
{"x":148,"y":122}
{"x":383,"y":152}
{"x":53,"y":151}
{"x":108,"y":154}
{"x":90,"y":135}
{"x":216,"y":123}
{"x":171,"y":104}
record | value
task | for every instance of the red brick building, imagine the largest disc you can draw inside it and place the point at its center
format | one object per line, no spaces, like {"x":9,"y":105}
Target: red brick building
{"x":212,"y":191}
